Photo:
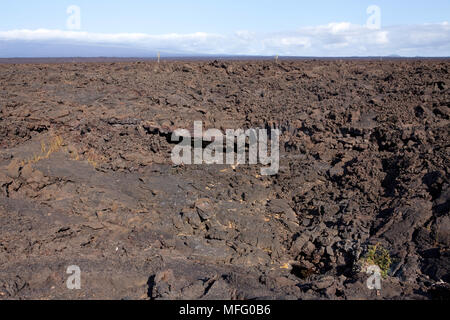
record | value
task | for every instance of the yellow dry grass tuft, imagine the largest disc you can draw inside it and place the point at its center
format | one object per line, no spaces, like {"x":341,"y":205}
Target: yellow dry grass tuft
{"x":93,"y":158}
{"x":46,"y":150}
{"x":57,"y":144}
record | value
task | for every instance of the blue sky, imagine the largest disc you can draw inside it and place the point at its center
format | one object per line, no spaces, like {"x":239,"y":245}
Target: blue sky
{"x":289,"y":27}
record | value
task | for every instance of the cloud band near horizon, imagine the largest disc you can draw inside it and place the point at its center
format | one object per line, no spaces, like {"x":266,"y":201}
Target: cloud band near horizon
{"x":333,"y":39}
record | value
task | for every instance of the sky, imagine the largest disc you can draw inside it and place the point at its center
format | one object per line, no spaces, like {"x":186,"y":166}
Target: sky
{"x":235,"y":27}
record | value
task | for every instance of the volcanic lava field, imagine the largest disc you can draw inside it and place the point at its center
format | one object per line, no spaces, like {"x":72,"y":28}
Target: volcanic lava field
{"x":86,"y":179}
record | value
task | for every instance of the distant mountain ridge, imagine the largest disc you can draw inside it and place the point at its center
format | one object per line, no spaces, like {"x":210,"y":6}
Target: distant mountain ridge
{"x":64,"y":49}
{"x":48,"y":49}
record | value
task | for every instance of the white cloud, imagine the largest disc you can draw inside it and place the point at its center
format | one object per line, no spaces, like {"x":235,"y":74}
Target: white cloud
{"x":339,"y":27}
{"x":295,"y":41}
{"x":334,"y":39}
{"x":114,"y":38}
{"x":381,"y":37}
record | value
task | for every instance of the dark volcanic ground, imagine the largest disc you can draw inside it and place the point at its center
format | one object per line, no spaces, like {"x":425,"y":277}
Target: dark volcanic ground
{"x":86,"y":179}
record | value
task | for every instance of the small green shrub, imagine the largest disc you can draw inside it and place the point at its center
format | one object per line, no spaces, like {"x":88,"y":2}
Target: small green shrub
{"x":377,"y":255}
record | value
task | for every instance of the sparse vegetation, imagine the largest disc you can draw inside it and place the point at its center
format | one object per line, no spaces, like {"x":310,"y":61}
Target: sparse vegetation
{"x":93,"y":158}
{"x":57,"y":144}
{"x":379,"y":256}
{"x":46,"y":150}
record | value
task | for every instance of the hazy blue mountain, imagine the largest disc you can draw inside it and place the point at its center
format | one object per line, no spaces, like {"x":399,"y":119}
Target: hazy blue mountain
{"x":41,"y":49}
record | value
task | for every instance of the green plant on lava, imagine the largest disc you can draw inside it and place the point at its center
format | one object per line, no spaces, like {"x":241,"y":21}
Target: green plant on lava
{"x":379,"y":256}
